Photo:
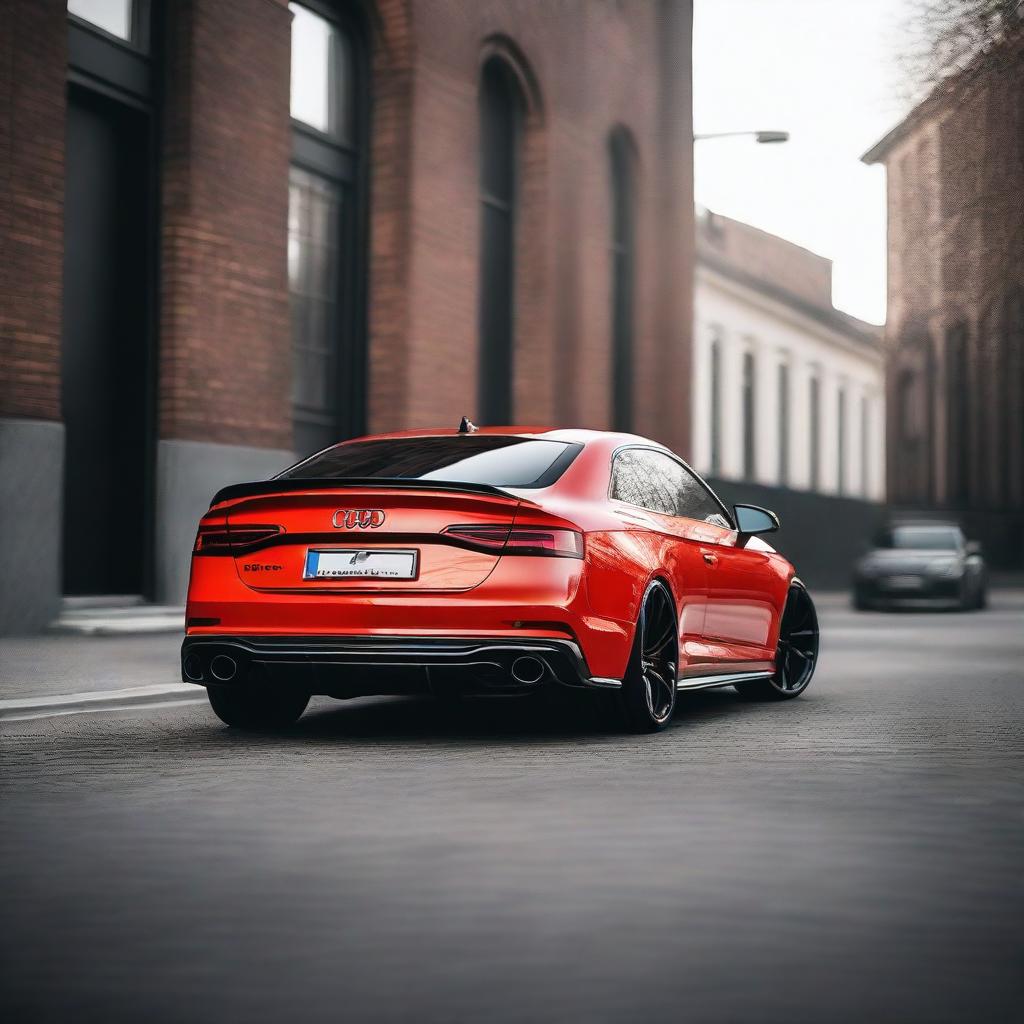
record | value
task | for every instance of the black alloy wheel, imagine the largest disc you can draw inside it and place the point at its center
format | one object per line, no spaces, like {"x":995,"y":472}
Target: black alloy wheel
{"x":796,"y":654}
{"x":648,"y":695}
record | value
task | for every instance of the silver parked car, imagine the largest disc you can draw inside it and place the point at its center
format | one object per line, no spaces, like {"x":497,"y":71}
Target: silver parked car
{"x":922,"y":564}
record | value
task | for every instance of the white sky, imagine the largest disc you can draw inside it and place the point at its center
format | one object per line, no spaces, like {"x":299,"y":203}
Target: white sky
{"x":824,"y":70}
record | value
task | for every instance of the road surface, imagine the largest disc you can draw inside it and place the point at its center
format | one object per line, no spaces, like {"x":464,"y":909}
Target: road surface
{"x":856,"y":854}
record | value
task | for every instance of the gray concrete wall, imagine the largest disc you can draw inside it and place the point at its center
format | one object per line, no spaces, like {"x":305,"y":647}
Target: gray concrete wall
{"x":188,"y":474}
{"x":821,"y":535}
{"x":31,"y":497}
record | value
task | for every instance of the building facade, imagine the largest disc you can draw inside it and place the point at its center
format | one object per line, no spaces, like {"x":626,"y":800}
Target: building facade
{"x":789,"y":391}
{"x":235,"y":231}
{"x":955,"y":330}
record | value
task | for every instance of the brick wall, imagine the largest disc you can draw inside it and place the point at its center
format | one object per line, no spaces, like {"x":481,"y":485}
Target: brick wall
{"x":33,"y":73}
{"x":587,"y":67}
{"x":225,"y":360}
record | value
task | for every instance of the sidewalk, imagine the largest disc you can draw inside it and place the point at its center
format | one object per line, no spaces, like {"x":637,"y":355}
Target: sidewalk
{"x":55,"y":673}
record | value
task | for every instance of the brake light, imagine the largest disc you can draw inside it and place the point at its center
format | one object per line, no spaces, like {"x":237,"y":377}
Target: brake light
{"x":216,"y":537}
{"x":520,"y":540}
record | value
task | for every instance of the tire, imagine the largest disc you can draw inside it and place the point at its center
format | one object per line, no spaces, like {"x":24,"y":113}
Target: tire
{"x":247,"y":706}
{"x":796,"y":655}
{"x":648,"y":695}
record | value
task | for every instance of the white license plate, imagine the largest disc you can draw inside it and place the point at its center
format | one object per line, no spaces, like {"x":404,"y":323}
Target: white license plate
{"x":359,"y":563}
{"x":904,"y":583}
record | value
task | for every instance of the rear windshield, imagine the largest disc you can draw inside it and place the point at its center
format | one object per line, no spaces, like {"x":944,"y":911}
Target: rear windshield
{"x":921,"y":538}
{"x":497,"y":460}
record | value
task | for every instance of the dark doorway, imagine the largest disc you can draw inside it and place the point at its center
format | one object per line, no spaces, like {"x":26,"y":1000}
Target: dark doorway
{"x":104,"y":367}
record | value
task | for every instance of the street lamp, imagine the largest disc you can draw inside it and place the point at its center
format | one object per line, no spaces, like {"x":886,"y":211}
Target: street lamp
{"x":762,"y":137}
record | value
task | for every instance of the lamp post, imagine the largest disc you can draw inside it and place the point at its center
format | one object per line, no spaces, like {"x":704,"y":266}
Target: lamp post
{"x":761,"y":137}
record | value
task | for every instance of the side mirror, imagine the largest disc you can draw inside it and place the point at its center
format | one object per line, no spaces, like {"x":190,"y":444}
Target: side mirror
{"x":972,"y":547}
{"x":751,"y":519}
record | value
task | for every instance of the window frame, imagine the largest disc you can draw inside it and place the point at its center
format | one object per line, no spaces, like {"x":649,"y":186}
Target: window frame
{"x":726,"y":514}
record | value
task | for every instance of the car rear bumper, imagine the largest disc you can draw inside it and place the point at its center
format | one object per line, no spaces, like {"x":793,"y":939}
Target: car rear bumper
{"x":350,"y":666}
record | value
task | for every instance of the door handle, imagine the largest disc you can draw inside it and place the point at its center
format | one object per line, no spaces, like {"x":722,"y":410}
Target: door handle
{"x":710,"y":559}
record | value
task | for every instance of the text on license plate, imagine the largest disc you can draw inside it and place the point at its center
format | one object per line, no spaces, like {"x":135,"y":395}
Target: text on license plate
{"x":359,"y":563}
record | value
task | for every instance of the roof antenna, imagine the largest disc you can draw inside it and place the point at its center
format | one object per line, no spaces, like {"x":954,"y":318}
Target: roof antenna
{"x":467,"y":426}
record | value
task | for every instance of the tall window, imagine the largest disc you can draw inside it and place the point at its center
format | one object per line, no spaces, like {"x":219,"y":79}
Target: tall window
{"x":749,"y":411}
{"x":841,"y":442}
{"x":814,"y":433}
{"x":623,"y":263}
{"x":783,"y":424}
{"x":865,"y":445}
{"x":501,"y":119}
{"x":325,"y":263}
{"x":716,"y":406}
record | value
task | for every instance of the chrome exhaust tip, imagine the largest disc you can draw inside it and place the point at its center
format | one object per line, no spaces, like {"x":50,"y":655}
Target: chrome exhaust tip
{"x":192,"y":667}
{"x":528,"y":670}
{"x":223,"y":668}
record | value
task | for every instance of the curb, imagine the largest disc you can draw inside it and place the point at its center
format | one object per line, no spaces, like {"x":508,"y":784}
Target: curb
{"x":99,"y":700}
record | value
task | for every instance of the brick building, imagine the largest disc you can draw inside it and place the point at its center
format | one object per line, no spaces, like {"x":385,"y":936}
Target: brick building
{"x":955,"y":330}
{"x":236,"y":230}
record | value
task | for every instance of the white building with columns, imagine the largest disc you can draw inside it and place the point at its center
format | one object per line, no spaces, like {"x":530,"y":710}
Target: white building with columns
{"x":789,"y":391}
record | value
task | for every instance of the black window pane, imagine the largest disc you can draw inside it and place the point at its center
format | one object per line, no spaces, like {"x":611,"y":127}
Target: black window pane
{"x":498,"y":460}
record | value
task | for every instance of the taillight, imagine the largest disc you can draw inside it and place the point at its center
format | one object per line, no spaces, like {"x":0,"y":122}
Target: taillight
{"x":217,"y":537}
{"x":520,"y":540}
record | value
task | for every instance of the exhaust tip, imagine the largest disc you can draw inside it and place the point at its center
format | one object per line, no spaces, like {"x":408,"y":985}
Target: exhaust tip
{"x":223,"y":668}
{"x":192,"y":667}
{"x":528,"y":670}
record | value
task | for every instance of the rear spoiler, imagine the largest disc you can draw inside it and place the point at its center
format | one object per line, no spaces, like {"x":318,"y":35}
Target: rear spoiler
{"x":287,"y":486}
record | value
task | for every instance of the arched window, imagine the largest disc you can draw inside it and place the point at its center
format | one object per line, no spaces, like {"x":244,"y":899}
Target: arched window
{"x":326,"y":259}
{"x":716,"y":406}
{"x":623,"y":261}
{"x":749,"y":412}
{"x":501,"y":126}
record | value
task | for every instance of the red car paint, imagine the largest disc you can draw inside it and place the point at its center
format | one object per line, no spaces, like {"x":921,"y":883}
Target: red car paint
{"x":729,"y":596}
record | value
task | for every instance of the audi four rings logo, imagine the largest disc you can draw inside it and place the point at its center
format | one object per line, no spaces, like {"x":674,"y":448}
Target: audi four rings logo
{"x":358,"y":518}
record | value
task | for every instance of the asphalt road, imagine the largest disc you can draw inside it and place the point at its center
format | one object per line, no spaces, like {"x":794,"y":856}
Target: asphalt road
{"x":856,"y":854}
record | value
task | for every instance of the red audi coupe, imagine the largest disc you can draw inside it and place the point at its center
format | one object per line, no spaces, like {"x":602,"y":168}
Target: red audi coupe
{"x":490,"y":561}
